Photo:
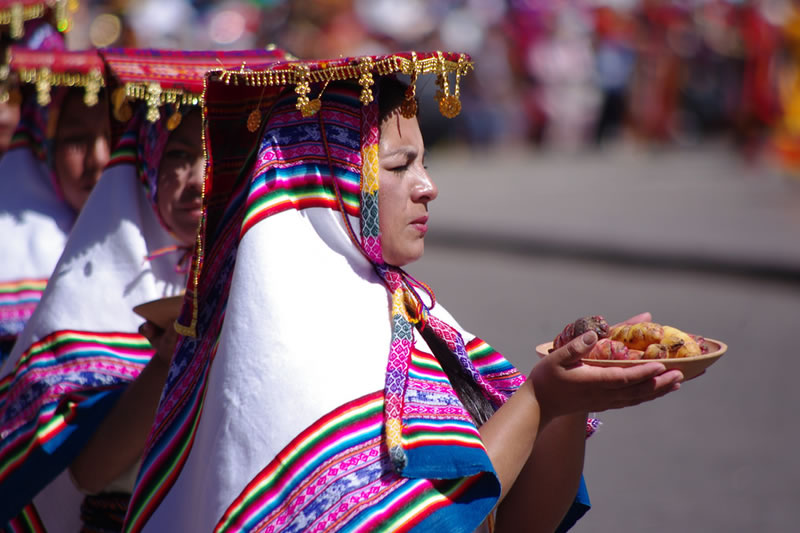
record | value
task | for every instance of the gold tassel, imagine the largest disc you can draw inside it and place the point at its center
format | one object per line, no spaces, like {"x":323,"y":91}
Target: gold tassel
{"x":153,"y":101}
{"x":365,"y":80}
{"x":306,"y":107}
{"x":122,"y":109}
{"x":17,"y":28}
{"x":449,"y":105}
{"x":174,"y":119}
{"x":254,"y":121}
{"x":43,"y":86}
{"x":93,"y":84}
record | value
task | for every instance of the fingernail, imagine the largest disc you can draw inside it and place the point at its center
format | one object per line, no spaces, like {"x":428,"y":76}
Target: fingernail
{"x":589,"y":337}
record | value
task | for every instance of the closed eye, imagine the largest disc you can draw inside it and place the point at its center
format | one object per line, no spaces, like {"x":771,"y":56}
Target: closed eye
{"x":399,"y":169}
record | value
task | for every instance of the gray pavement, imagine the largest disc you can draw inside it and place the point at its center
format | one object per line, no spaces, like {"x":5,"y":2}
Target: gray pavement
{"x":701,"y":208}
{"x":522,"y":243}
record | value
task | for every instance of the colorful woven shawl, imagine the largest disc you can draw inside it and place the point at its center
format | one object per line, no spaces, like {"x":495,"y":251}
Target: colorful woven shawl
{"x":34,"y":218}
{"x":305,"y":398}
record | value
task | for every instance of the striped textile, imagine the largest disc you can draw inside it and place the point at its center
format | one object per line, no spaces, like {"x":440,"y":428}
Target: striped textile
{"x":27,"y":521}
{"x":342,"y":454}
{"x":18,"y":299}
{"x":39,"y":402}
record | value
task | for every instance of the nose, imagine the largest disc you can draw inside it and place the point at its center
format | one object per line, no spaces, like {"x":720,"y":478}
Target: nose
{"x":97,"y":155}
{"x":425,"y":190}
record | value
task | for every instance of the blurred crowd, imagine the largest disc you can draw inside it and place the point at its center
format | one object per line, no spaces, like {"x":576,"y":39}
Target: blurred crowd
{"x":568,"y":74}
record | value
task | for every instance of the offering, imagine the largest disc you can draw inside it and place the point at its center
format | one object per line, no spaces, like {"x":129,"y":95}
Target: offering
{"x":627,"y":344}
{"x":162,"y":312}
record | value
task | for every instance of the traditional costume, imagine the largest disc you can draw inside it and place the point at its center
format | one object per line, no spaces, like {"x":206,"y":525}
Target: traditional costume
{"x":303,"y":396}
{"x":81,"y":347}
{"x":35,"y":219}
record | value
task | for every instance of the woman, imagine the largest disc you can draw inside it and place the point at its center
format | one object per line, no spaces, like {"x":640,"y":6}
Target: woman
{"x":57,"y":155}
{"x":81,"y":386}
{"x":319,"y":387}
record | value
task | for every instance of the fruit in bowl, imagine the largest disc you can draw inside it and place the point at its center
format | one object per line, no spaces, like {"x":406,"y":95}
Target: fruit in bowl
{"x":629,"y":344}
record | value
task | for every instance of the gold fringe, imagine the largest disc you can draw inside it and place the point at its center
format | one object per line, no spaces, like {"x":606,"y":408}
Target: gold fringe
{"x":301,"y":76}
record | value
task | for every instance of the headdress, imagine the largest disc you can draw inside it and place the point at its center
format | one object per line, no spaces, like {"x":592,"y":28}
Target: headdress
{"x":34,"y":217}
{"x":17,"y":15}
{"x":304,"y":396}
{"x":81,"y":347}
{"x":47,"y":76}
{"x":151,"y":91}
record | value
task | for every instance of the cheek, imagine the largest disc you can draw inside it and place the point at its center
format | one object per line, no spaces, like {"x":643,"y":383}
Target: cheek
{"x":68,"y":165}
{"x":165,"y":195}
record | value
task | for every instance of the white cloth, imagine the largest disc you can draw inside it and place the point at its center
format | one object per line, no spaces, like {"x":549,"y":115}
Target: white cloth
{"x":100,"y":277}
{"x":34,"y":221}
{"x":288,"y":327}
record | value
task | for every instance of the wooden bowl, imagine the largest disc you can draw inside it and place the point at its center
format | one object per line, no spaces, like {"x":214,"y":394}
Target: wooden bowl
{"x":162,"y":312}
{"x":690,"y":366}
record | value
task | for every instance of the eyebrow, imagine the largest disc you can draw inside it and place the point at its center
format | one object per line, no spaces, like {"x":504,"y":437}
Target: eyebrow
{"x":403,"y":150}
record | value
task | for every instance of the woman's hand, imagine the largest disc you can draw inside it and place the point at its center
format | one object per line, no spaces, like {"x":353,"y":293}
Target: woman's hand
{"x":119,"y":440}
{"x":162,"y":340}
{"x":564,"y":385}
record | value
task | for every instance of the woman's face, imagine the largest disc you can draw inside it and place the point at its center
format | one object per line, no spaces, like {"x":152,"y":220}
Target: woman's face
{"x":405,"y":190}
{"x":82,"y":148}
{"x":180,"y":179}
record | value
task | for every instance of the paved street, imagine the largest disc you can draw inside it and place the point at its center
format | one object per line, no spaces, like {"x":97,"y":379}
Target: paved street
{"x":522,"y":244}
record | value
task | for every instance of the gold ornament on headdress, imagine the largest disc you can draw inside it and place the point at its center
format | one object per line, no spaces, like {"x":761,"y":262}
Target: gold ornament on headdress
{"x":175,"y":118}
{"x":363,"y":70}
{"x":119,"y":101}
{"x":93,"y":84}
{"x":153,"y":101}
{"x":17,"y":29}
{"x":303,"y":87}
{"x":43,"y":86}
{"x":365,"y":80}
{"x":254,"y":121}
{"x":449,"y":104}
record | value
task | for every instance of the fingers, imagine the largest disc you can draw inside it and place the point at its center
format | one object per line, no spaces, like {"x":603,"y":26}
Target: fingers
{"x":150,"y":331}
{"x":576,"y":349}
{"x":618,"y":378}
{"x":650,"y":389}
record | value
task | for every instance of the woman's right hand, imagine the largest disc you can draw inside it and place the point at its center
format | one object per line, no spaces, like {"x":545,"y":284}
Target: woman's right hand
{"x":162,"y":340}
{"x":564,"y":385}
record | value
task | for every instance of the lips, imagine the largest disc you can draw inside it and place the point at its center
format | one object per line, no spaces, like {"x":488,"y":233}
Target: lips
{"x":421,"y":224}
{"x":192,"y":209}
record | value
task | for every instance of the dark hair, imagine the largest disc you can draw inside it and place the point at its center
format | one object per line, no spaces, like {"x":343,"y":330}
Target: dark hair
{"x":391,"y":94}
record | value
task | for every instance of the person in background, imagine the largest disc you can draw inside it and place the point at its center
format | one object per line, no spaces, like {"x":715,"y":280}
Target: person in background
{"x":37,"y":26}
{"x":57,"y":154}
{"x":80,"y":388}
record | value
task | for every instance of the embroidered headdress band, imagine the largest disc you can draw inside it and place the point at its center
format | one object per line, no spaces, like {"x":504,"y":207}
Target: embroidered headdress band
{"x":46,"y":69}
{"x":164,"y":77}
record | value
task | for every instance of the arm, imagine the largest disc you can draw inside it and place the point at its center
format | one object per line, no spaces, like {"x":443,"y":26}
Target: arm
{"x":536,"y":434}
{"x":552,"y":473}
{"x":119,"y":441}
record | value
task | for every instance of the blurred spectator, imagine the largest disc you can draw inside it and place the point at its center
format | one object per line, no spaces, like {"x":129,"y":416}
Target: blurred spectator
{"x":566,"y":73}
